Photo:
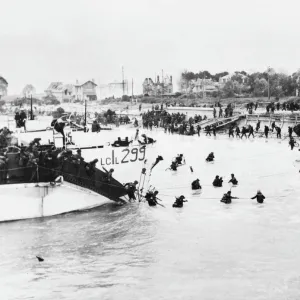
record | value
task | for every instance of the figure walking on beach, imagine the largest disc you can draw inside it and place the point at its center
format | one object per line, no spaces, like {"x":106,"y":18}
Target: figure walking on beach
{"x":292,"y":143}
{"x":267,"y":131}
{"x":220,"y":112}
{"x":290,"y":131}
{"x":237,"y":132}
{"x":198,"y":129}
{"x":251,"y":131}
{"x":244,"y":131}
{"x":257,"y":126}
{"x":214,"y":130}
{"x":231,"y":131}
{"x":208,"y":130}
{"x":278,"y":130}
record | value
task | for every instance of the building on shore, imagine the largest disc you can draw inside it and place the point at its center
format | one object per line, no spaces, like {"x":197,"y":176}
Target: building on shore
{"x":60,"y":91}
{"x":3,"y":87}
{"x":85,"y":90}
{"x":157,"y":88}
{"x":199,"y":85}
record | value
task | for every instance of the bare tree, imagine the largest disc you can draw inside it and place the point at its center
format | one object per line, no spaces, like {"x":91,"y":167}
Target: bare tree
{"x":28,"y":90}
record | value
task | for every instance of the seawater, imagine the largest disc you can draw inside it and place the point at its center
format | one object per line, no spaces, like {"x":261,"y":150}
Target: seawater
{"x":205,"y":250}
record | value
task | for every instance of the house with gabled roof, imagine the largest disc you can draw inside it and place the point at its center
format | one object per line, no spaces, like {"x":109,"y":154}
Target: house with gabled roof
{"x":85,"y":90}
{"x":60,"y":91}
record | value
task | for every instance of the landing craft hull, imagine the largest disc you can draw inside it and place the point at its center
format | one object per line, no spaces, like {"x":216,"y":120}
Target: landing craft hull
{"x":26,"y":201}
{"x":297,"y":129}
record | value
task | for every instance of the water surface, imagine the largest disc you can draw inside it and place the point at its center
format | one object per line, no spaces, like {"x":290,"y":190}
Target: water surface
{"x":206,"y":250}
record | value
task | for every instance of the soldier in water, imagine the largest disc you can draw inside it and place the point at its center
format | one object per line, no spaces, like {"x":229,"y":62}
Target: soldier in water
{"x":259,"y":197}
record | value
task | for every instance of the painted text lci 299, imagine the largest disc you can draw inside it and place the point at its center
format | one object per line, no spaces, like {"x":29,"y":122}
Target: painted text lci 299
{"x":127,"y":155}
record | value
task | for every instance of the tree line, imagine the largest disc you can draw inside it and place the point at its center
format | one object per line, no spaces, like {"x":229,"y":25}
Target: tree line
{"x":243,"y":84}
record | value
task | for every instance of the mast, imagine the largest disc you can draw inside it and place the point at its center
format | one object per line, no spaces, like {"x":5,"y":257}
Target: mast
{"x":123,"y":82}
{"x":132,"y":89}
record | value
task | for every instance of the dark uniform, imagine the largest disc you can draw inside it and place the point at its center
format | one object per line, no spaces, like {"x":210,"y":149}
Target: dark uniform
{"x":237,"y":131}
{"x":266,"y":131}
{"x":179,"y":159}
{"x":151,"y":198}
{"x":244,"y":131}
{"x":233,"y":180}
{"x":179,"y":201}
{"x":218,"y":181}
{"x":231,"y":132}
{"x":251,"y":131}
{"x":210,"y":157}
{"x":131,"y":189}
{"x":196,"y":184}
{"x":173,"y":166}
{"x":227,"y":198}
{"x":259,"y":197}
{"x":278,"y":130}
{"x":292,"y":143}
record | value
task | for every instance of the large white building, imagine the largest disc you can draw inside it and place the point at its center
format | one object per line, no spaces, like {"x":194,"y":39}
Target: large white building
{"x":85,"y":90}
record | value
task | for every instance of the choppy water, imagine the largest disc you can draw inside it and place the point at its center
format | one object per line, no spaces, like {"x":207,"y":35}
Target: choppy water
{"x":206,"y":250}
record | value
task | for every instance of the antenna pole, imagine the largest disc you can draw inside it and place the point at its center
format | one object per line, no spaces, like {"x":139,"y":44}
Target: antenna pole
{"x":123,"y":82}
{"x":132,"y":89}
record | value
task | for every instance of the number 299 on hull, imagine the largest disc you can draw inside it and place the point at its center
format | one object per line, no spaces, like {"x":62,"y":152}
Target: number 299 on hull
{"x":124,"y":156}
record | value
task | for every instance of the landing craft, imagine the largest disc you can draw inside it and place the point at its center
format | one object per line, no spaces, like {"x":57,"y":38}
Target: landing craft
{"x":297,"y":129}
{"x":31,"y":192}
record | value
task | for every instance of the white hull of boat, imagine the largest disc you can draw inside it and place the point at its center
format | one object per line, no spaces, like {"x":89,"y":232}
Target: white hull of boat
{"x":25,"y":201}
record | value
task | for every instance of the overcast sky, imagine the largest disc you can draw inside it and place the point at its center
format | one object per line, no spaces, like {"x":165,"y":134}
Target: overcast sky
{"x":65,"y":40}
